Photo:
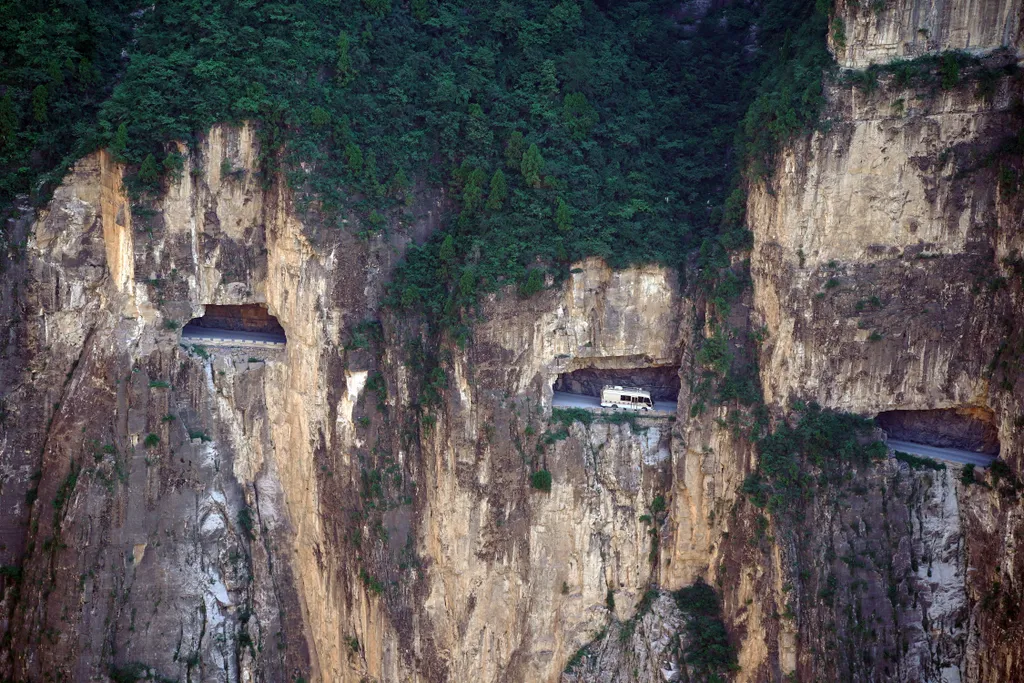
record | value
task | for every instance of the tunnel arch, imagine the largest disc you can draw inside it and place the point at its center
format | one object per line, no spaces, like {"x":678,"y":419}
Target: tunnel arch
{"x":965,"y":428}
{"x":242,"y":323}
{"x":662,"y":381}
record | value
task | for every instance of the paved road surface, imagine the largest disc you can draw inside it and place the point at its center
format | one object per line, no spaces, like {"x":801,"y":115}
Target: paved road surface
{"x":214,"y":337}
{"x":949,"y":454}
{"x":566,"y":400}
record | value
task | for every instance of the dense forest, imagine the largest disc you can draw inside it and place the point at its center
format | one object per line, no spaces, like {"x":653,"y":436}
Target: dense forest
{"x":562,"y":129}
{"x":59,"y":62}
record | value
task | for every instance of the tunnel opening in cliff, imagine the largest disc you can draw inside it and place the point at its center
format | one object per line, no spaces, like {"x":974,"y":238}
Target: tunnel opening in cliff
{"x":662,"y":381}
{"x":246,"y":318}
{"x":969,"y":429}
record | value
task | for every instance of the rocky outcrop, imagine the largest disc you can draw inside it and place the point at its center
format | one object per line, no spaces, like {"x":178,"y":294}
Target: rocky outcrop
{"x":646,"y":648}
{"x":243,"y":516}
{"x":361,"y":505}
{"x":885,"y":276}
{"x":865,"y":33}
{"x":145,"y":551}
{"x":878,"y":251}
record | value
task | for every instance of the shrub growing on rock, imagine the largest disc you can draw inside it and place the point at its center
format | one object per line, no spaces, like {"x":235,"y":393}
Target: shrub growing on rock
{"x":541,"y":480}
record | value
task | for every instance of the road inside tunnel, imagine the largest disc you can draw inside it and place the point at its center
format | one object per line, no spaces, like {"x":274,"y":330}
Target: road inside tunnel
{"x":244,"y":325}
{"x":214,"y":337}
{"x":965,"y":428}
{"x":965,"y":435}
{"x":661,"y":381}
{"x":563,"y":399}
{"x":954,"y":455}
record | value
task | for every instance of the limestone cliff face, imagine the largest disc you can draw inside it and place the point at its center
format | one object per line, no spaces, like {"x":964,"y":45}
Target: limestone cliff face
{"x":220,"y":515}
{"x":358,"y":506}
{"x":885,"y":276}
{"x":891,"y":224}
{"x":555,"y":560}
{"x":148,"y":545}
{"x":867,"y":33}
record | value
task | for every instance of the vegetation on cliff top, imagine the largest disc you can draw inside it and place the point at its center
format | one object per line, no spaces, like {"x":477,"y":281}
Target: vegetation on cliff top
{"x":58,"y":61}
{"x":562,"y":129}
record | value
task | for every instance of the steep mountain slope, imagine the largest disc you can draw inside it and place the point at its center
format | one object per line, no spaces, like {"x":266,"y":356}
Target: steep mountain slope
{"x":372,"y":502}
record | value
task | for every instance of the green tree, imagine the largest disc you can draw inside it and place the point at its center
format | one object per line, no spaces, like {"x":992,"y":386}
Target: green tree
{"x":40,"y":95}
{"x":149,"y":172}
{"x":532,"y":165}
{"x":354,"y":159}
{"x":708,"y":652}
{"x":400,"y":184}
{"x":577,"y":114}
{"x":514,"y":150}
{"x":478,"y":129}
{"x":563,"y":216}
{"x":950,"y":71}
{"x":446,"y":254}
{"x":87,"y":73}
{"x":342,"y":130}
{"x":8,"y":121}
{"x":467,"y":284}
{"x":473,"y":191}
{"x":411,"y":296}
{"x":420,"y":10}
{"x":174,"y":165}
{"x":55,"y":73}
{"x":370,"y":174}
{"x":119,"y":145}
{"x":541,"y":480}
{"x":343,"y":65}
{"x":735,"y":209}
{"x":533,"y":283}
{"x":548,"y":77}
{"x":498,"y":193}
{"x":839,"y":33}
{"x":319,"y":116}
{"x":380,"y":8}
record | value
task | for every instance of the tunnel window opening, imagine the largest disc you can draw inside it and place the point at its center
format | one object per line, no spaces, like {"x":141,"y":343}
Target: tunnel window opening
{"x":247,"y":324}
{"x":967,"y":429}
{"x":662,"y":382}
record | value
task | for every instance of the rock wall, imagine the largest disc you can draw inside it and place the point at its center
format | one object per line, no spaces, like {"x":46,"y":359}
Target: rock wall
{"x":255,"y":516}
{"x":877,"y":32}
{"x":877,"y":250}
{"x":886,"y":278}
{"x":143,"y":550}
{"x":358,"y":506}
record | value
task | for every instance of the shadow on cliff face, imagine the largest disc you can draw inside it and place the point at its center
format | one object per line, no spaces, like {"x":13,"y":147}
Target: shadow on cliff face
{"x":661,"y":381}
{"x":972,"y":429}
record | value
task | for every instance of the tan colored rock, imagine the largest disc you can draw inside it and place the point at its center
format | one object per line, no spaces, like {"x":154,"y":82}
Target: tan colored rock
{"x":116,"y":214}
{"x":873,"y":204}
{"x":879,"y":32}
{"x":880,"y":247}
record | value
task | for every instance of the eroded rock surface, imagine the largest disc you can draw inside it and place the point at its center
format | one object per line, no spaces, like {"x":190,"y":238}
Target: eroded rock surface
{"x":358,"y":506}
{"x":881,"y":31}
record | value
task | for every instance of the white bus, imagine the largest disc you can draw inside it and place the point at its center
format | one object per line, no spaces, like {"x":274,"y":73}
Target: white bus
{"x":630,"y":398}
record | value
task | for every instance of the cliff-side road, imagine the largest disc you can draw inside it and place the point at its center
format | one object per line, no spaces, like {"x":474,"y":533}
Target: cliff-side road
{"x":948,"y":454}
{"x":215,"y":337}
